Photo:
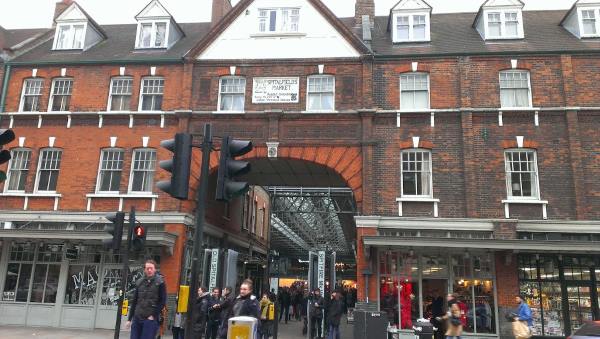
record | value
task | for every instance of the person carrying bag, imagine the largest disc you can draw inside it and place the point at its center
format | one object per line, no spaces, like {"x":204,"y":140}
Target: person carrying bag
{"x":522,"y":322}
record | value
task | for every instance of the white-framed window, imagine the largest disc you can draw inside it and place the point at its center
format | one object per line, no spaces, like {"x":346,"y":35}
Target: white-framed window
{"x":522,"y":174}
{"x":18,"y":169}
{"x":320,"y":93}
{"x":589,"y":22}
{"x":70,"y":36}
{"x":142,"y":170}
{"x":416,"y":173}
{"x":60,"y":95}
{"x":110,"y":170}
{"x":411,"y":27}
{"x":151,"y":94}
{"x":152,"y":34}
{"x":119,"y":98}
{"x":48,"y":170}
{"x":414,"y":91}
{"x":31,"y":94}
{"x":504,"y":24}
{"x":278,"y":20}
{"x":232,"y":91}
{"x":515,"y":89}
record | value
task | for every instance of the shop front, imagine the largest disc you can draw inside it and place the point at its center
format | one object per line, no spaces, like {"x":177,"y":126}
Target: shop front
{"x":414,"y":285}
{"x":562,"y":291}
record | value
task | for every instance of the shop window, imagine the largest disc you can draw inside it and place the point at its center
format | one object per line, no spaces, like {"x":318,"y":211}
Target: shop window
{"x":121,"y":89}
{"x":81,"y":285}
{"x":434,"y":266}
{"x":399,"y":288}
{"x":142,"y":170}
{"x":18,"y":169}
{"x":152,"y":94}
{"x":45,"y":283}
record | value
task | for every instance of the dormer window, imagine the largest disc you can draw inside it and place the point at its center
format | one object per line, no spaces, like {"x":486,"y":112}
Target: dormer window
{"x":589,"y":22}
{"x":582,"y":19}
{"x":69,"y":36}
{"x":503,"y":25}
{"x":278,"y":20}
{"x":152,"y":34}
{"x":411,"y":27}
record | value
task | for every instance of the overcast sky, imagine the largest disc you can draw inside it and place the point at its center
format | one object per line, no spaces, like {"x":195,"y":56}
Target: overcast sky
{"x":38,"y":13}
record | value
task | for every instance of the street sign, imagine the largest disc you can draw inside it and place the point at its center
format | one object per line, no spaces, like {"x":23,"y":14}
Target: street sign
{"x":71,"y":253}
{"x":214,"y":268}
{"x":321,"y":271}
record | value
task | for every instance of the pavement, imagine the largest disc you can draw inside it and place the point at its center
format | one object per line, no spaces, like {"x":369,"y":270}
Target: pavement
{"x":291,"y":330}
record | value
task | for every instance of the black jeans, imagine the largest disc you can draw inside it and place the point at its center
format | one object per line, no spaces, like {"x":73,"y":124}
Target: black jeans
{"x":286,"y":310}
{"x":316,"y":327}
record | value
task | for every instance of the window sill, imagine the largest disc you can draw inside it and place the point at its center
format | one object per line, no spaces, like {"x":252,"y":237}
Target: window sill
{"x":411,"y":41}
{"x":525,"y":108}
{"x":402,"y":200}
{"x":316,"y":111}
{"x":417,"y":199}
{"x":119,"y":195}
{"x":419,"y":110}
{"x":507,"y":203}
{"x":278,"y":35}
{"x":36,"y":195}
{"x":229,"y":112}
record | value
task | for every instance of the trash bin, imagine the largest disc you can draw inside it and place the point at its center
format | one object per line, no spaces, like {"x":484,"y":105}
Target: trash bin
{"x":242,"y":328}
{"x":423,"y":330}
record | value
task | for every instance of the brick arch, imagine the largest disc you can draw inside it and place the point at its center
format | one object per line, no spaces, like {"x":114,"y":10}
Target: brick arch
{"x":344,"y":160}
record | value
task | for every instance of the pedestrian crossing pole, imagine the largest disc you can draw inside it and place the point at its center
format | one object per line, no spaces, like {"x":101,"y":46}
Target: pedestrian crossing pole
{"x":125,"y":272}
{"x":199,"y":229}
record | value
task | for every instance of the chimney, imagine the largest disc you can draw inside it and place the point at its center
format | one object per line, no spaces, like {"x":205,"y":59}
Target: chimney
{"x":219,"y":10}
{"x":60,"y":7}
{"x":363,"y":7}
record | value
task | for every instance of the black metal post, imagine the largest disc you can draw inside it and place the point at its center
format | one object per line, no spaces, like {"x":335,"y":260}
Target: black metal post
{"x":198,"y":232}
{"x":125,"y":272}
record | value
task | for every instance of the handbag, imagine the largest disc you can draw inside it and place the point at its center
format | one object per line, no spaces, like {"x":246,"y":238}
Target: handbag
{"x":521,"y":330}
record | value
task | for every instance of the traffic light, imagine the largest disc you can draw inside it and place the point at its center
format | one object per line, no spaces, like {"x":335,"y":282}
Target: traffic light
{"x":229,"y":168}
{"x":179,"y":166}
{"x":115,"y":230}
{"x":6,"y":136}
{"x":138,"y":238}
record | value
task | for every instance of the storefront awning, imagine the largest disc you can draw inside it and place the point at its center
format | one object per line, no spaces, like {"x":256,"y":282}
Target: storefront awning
{"x":490,"y":244}
{"x":161,"y":238}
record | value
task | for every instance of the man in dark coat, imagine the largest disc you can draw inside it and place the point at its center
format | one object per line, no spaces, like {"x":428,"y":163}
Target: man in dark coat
{"x":246,"y":303}
{"x":149,"y":298}
{"x":200,"y":313}
{"x":284,"y":301}
{"x":316,"y":314}
{"x":334,"y":316}
{"x":225,"y":306}
{"x":214,"y":314}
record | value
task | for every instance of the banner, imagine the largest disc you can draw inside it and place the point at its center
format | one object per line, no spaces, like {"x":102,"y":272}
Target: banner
{"x":214,"y":267}
{"x":275,"y":90}
{"x":321,"y":271}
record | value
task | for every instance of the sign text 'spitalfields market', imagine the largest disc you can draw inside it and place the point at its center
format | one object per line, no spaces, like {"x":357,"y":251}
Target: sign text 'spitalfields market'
{"x":275,"y":90}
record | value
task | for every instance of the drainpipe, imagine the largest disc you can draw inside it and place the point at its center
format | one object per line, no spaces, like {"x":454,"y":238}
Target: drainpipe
{"x":4,"y":88}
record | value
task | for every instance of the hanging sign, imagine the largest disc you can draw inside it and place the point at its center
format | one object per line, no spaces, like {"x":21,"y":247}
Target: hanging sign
{"x":275,"y":90}
{"x":321,"y":271}
{"x":214,"y":266}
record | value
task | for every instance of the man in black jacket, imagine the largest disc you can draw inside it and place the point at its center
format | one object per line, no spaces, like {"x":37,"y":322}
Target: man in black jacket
{"x":316,"y":314}
{"x":149,"y":298}
{"x":214,"y":314}
{"x":200,"y":313}
{"x":225,"y":307}
{"x":246,"y":303}
{"x":334,"y":315}
{"x":284,"y":302}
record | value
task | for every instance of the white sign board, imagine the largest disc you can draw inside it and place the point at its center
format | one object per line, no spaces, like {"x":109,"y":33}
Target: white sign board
{"x":275,"y":90}
{"x":214,"y":267}
{"x":321,"y":271}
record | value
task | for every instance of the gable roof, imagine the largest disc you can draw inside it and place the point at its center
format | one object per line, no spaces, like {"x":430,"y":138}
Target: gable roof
{"x":494,"y":3}
{"x":241,"y":6}
{"x":88,"y":17}
{"x":119,"y":46}
{"x":398,"y":3}
{"x":164,"y":9}
{"x":452,"y":35}
{"x":575,"y":5}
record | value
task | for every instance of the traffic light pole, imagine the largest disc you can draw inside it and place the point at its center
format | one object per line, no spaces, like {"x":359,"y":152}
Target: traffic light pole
{"x":125,"y":272}
{"x":199,"y":229}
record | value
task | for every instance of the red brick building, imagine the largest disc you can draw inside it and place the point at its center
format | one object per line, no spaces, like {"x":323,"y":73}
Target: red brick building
{"x":469,"y":141}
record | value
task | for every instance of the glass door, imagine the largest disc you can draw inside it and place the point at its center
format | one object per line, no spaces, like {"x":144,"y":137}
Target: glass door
{"x":580,"y":305}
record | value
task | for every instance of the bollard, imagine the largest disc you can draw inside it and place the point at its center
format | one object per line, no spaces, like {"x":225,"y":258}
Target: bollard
{"x":242,"y":328}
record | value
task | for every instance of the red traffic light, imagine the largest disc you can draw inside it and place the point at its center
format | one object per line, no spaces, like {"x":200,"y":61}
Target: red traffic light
{"x":138,"y":231}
